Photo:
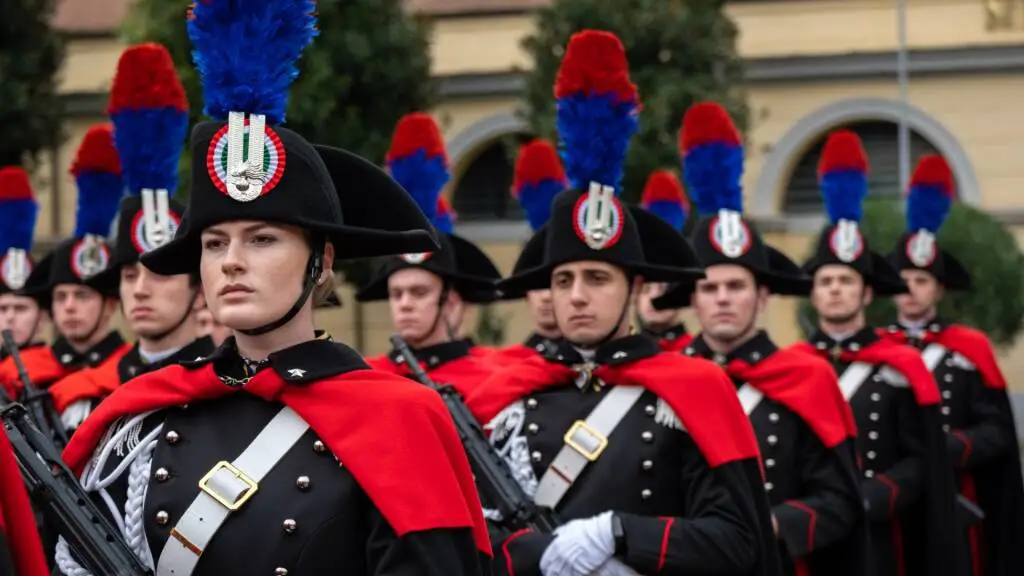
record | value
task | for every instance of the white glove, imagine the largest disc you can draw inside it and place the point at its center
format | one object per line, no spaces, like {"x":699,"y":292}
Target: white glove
{"x":580,"y":547}
{"x":613,"y":567}
{"x":75,"y":414}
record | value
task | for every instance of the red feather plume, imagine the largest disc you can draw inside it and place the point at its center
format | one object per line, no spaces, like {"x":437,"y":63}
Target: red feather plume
{"x":595,"y":63}
{"x":444,"y":207}
{"x":932,"y":169}
{"x":97,"y":153}
{"x":707,"y":123}
{"x":146,"y":79}
{"x":843,"y":151}
{"x":537,"y":161}
{"x":14,"y":184}
{"x":414,"y":132}
{"x":663,"y":186}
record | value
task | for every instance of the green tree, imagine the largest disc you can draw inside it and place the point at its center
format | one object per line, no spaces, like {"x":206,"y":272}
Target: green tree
{"x":369,"y":66}
{"x":31,"y":53}
{"x":983,"y":245}
{"x":679,"y":51}
{"x":490,"y":327}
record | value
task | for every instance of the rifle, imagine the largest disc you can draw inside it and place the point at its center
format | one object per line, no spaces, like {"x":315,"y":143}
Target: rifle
{"x":37,"y":401}
{"x":55,"y":491}
{"x":493,"y":477}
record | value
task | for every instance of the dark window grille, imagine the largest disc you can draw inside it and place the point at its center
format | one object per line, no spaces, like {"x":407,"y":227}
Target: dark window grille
{"x":484,"y":191}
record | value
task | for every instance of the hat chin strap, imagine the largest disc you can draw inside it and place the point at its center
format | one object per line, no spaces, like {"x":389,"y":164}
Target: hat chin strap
{"x":184,"y":317}
{"x":314,"y":268}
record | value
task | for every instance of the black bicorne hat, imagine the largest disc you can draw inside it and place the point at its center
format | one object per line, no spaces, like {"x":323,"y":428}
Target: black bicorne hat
{"x":728,"y":238}
{"x":136,"y":234}
{"x":76,"y":260}
{"x":842,"y":176}
{"x":459,"y":262}
{"x":596,"y":226}
{"x":928,"y":203}
{"x":300,"y":185}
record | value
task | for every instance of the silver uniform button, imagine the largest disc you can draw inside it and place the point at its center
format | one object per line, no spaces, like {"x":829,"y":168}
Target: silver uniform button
{"x":948,"y":377}
{"x":773,"y":417}
{"x":854,"y":346}
{"x":769,"y":486}
{"x":871,"y":454}
{"x":161,"y":474}
{"x":945,"y":427}
{"x":647,"y":436}
{"x":162,"y":518}
{"x":647,"y":464}
{"x":773,"y":439}
{"x":645,"y":493}
{"x":289,"y":526}
{"x":172,"y":437}
{"x":769,"y":463}
{"x":302,"y":483}
{"x":869,"y":473}
{"x":531,"y":403}
{"x":873,"y":435}
{"x":319,"y":447}
{"x":876,"y":397}
{"x":947,"y":394}
{"x":280,"y":571}
{"x":533,"y":428}
{"x":650,"y":410}
{"x":536,"y":456}
{"x":873,"y":416}
{"x":945,"y":410}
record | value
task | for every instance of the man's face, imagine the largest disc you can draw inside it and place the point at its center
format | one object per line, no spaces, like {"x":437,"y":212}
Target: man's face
{"x":925,"y":294}
{"x":153,"y":304}
{"x":656,"y":320}
{"x":21,"y":315}
{"x":414,"y":295}
{"x":78,"y":311}
{"x":728,"y":301}
{"x":839,"y":293}
{"x":588,"y":299}
{"x":541,"y":311}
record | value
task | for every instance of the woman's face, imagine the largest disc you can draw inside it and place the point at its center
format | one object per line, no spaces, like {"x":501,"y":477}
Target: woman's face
{"x":252,"y":271}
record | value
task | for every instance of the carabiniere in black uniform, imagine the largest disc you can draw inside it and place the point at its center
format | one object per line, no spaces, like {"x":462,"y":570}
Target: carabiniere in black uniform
{"x":907,"y":489}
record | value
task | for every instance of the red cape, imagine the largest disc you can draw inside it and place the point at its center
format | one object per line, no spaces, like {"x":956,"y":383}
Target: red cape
{"x":17,"y":521}
{"x":805,"y":385}
{"x":43,"y":369}
{"x":902,"y":358}
{"x":385,"y":430}
{"x":968,"y":342}
{"x":676,"y":345}
{"x":88,"y":383}
{"x":463,"y":374}
{"x":698,"y":392}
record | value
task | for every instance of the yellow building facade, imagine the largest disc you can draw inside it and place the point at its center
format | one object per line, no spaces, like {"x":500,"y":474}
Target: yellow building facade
{"x":812,"y":67}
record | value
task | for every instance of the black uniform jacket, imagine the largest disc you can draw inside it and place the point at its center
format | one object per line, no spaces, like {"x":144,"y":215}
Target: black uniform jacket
{"x":806,"y":434}
{"x":95,"y":384}
{"x":312,"y":514}
{"x":446,"y":363}
{"x":681,"y":470}
{"x":48,"y":364}
{"x":907,"y":488}
{"x":982,"y":440}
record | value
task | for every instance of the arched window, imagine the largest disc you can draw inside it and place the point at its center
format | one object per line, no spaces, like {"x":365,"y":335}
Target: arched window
{"x":881,"y":141}
{"x":483,"y":191}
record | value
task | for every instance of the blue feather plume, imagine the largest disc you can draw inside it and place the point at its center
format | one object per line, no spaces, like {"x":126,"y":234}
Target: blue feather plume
{"x":597,"y":109}
{"x":246,"y":53}
{"x":422,"y":177}
{"x":99,"y":194}
{"x":18,"y":210}
{"x":930,"y":197}
{"x":712,"y":152}
{"x":843,"y":176}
